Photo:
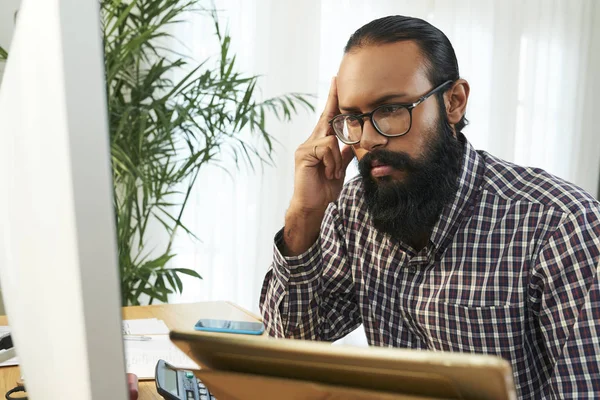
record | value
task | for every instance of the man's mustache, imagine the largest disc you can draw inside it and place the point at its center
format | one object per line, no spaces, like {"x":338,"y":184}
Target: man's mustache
{"x":397,"y":160}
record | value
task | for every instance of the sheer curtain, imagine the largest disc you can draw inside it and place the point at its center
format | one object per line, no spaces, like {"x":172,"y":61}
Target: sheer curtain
{"x":237,"y":216}
{"x":532,"y":67}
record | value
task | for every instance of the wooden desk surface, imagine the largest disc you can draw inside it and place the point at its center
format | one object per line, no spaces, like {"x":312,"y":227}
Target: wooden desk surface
{"x":176,"y":316}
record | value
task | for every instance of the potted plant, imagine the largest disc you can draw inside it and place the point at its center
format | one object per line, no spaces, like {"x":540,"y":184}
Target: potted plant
{"x":163,"y":130}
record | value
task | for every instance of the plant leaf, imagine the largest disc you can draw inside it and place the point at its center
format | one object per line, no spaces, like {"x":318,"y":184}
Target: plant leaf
{"x":170,"y":115}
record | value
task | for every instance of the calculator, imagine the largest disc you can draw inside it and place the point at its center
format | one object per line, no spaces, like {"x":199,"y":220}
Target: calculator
{"x":176,"y":384}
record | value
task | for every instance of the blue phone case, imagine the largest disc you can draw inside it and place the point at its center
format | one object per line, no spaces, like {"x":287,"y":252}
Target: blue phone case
{"x":229,"y":330}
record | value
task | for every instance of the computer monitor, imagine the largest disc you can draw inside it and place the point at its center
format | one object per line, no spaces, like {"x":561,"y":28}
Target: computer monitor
{"x":58,"y":264}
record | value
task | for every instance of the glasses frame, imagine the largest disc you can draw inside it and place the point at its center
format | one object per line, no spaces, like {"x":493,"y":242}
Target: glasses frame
{"x":407,"y":106}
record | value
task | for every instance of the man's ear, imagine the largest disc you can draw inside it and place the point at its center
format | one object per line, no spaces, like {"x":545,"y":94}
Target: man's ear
{"x":455,"y":101}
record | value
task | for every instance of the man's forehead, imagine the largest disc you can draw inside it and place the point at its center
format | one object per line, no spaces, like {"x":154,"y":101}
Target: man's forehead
{"x":372,"y":71}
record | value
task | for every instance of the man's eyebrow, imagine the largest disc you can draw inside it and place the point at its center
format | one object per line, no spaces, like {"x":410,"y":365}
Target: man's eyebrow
{"x":373,"y":104}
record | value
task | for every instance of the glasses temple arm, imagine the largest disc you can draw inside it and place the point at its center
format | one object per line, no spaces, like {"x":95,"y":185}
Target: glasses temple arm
{"x":434,"y":91}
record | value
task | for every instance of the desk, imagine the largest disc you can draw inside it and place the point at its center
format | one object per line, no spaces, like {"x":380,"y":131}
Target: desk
{"x":176,"y":316}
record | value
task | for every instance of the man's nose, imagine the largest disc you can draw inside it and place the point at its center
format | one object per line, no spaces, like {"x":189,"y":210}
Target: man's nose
{"x":371,"y":138}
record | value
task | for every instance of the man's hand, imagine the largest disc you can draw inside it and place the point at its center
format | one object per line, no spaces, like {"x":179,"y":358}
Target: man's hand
{"x":318,"y":180}
{"x":132,"y":386}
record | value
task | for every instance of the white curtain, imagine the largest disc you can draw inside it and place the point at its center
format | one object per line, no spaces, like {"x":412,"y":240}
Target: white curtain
{"x":236,"y":217}
{"x":532,"y":66}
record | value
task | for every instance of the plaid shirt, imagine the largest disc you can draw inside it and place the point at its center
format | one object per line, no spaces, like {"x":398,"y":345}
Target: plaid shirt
{"x":510,"y":270}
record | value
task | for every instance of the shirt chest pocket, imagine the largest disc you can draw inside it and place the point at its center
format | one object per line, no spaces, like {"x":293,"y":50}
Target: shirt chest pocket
{"x":489,"y":329}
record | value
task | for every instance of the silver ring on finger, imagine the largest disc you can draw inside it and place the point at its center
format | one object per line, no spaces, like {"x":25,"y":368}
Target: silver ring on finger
{"x":315,"y":151}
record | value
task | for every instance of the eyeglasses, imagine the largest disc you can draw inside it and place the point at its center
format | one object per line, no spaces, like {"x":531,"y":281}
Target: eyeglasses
{"x":390,"y":120}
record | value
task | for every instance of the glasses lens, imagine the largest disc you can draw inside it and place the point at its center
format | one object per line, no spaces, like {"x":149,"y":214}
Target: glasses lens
{"x":347,"y":128}
{"x":392,"y":119}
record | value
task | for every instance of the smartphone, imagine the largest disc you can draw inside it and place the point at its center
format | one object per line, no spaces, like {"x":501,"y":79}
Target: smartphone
{"x":227,"y":326}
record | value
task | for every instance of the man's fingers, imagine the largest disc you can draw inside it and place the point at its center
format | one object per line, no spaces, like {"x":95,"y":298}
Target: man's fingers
{"x":329,"y":162}
{"x":347,"y":156}
{"x":332,"y":107}
{"x":327,"y":151}
{"x":337,"y":157}
{"x":331,"y":110}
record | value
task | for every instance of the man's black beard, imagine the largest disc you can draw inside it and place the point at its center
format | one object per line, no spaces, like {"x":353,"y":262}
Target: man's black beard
{"x":408,"y":210}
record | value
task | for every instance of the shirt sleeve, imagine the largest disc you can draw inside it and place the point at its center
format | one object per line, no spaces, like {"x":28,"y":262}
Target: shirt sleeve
{"x":567,"y":309}
{"x":312,"y":295}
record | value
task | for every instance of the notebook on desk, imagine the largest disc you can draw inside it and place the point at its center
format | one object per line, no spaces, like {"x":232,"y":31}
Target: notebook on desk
{"x":301,"y":366}
{"x":141,"y":356}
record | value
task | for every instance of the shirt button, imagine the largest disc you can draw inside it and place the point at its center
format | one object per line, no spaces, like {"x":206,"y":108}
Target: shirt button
{"x":412,"y":269}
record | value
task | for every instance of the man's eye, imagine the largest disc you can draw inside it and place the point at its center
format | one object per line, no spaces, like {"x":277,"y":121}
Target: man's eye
{"x":351,"y":121}
{"x":389,"y":109}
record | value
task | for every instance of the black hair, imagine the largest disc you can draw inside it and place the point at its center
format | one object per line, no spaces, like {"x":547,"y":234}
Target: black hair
{"x":440,"y":59}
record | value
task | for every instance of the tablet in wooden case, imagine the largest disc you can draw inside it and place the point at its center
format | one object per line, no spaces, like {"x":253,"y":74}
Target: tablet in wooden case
{"x":298,"y":365}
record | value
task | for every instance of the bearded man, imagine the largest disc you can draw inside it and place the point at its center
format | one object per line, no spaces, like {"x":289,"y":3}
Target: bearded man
{"x":435,"y":245}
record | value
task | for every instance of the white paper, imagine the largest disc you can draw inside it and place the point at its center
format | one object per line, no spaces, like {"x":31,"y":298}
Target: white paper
{"x":149,"y":326}
{"x":141,"y":357}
